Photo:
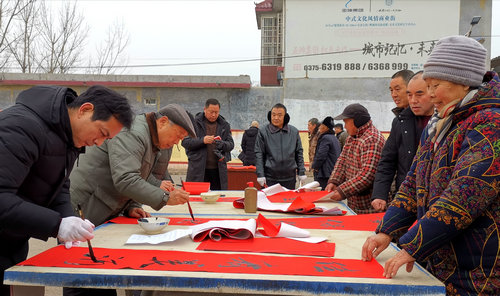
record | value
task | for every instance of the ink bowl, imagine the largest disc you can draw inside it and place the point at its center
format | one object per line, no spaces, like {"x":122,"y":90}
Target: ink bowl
{"x":210,"y":197}
{"x":153,"y":225}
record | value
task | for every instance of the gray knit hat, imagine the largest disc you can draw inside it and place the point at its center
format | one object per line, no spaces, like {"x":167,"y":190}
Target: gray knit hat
{"x":179,"y":116}
{"x":458,"y":59}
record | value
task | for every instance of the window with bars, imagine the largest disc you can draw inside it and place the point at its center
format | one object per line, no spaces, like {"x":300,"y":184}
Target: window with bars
{"x":271,"y":40}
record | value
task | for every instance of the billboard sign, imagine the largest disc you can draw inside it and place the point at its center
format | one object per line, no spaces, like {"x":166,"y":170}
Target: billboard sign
{"x":363,"y":38}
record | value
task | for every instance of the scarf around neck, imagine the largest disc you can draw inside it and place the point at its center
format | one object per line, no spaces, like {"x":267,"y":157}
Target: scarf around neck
{"x":441,"y":121}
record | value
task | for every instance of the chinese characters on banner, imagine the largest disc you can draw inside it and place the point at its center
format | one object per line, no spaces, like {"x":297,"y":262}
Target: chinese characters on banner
{"x":363,"y":38}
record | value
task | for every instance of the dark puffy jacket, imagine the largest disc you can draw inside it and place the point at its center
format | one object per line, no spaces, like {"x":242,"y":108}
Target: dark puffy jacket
{"x":278,"y":153}
{"x":397,"y":154}
{"x":196,"y":150}
{"x":37,"y":156}
{"x":248,"y":145}
{"x":327,"y":153}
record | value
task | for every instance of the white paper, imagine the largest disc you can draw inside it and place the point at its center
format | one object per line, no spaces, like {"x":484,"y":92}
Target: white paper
{"x":287,"y":230}
{"x":263,"y":203}
{"x":276,"y":188}
{"x":158,"y":238}
{"x":311,"y":240}
{"x":311,"y":185}
{"x":231,"y":228}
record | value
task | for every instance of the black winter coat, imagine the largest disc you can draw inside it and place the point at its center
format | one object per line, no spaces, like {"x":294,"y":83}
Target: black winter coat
{"x":248,"y":145}
{"x":279,"y":154}
{"x":326,"y":155}
{"x":397,"y":155}
{"x":196,"y":150}
{"x":36,"y":158}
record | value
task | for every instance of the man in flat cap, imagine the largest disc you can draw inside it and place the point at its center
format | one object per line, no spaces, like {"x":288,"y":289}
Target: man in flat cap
{"x":353,"y":174}
{"x":131,"y":169}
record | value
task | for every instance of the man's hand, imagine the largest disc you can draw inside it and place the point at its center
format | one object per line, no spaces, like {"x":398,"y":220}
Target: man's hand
{"x":336,"y":196}
{"x":138,"y":213}
{"x":261,"y":181}
{"x":392,"y":265}
{"x":302,"y":178}
{"x":219,"y":144}
{"x":374,"y":245}
{"x":330,"y":187}
{"x":379,"y":205}
{"x":74,"y":229}
{"x":178,"y":197}
{"x":208,"y":139}
{"x":167,"y":185}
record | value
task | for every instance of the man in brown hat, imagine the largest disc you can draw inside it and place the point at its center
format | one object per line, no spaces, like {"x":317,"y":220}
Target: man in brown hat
{"x":353,"y":174}
{"x":131,"y":169}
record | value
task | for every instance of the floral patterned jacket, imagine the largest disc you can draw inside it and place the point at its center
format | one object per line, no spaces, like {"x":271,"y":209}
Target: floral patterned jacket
{"x":452,"y":194}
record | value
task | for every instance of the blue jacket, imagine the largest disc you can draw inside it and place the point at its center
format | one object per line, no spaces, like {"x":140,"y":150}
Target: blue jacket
{"x":452,"y":192}
{"x":397,"y":155}
{"x":327,"y":153}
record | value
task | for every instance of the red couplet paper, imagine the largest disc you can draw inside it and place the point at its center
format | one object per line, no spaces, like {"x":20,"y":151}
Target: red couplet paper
{"x":221,"y":199}
{"x":270,"y":229}
{"x":365,"y":222}
{"x":78,"y":257}
{"x":248,"y":167}
{"x":290,"y":196}
{"x":196,"y":188}
{"x":270,"y":245}
{"x":301,"y":206}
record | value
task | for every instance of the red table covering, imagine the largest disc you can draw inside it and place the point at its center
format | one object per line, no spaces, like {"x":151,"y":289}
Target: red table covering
{"x":78,"y":257}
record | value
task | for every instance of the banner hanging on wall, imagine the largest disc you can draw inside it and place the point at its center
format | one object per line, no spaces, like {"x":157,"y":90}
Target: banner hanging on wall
{"x":363,"y":38}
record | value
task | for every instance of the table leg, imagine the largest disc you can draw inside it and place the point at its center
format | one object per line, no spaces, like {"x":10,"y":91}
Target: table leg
{"x":27,"y":290}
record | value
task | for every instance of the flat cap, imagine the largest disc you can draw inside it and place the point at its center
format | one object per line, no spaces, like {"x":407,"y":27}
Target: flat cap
{"x":357,"y":112}
{"x":352,"y":111}
{"x":179,"y":116}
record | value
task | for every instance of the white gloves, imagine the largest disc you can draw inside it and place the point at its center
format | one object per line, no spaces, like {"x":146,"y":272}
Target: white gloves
{"x":74,"y":229}
{"x":68,"y":245}
{"x":261,"y":181}
{"x":302,"y":178}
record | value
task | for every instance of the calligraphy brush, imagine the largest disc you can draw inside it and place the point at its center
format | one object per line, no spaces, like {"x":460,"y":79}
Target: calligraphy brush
{"x":91,"y":251}
{"x":189,"y":206}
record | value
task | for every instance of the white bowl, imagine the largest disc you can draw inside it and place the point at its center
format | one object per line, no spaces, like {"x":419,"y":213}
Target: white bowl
{"x":210,"y":197}
{"x":153,"y":225}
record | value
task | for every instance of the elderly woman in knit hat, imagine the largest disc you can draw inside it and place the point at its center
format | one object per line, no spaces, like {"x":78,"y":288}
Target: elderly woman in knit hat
{"x":327,"y":152}
{"x":451,"y":190}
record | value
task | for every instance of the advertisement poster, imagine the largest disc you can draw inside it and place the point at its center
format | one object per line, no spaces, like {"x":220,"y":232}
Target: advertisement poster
{"x":363,"y":38}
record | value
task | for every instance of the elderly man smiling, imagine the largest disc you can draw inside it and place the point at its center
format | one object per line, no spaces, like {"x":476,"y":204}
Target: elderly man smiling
{"x":131,"y":169}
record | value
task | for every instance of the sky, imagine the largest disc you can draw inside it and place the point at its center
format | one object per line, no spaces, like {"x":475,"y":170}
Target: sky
{"x":179,"y":32}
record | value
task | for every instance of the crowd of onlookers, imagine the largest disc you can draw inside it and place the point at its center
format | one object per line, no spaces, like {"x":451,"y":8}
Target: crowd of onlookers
{"x":436,"y":176}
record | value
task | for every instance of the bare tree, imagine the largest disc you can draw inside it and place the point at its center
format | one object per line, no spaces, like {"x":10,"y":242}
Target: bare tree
{"x":61,"y":40}
{"x":9,"y":10}
{"x":111,"y":51}
{"x":22,"y":46}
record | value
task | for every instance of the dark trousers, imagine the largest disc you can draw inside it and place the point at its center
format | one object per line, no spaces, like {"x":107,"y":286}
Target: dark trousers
{"x":290,"y":184}
{"x":4,"y":289}
{"x":212,"y":176}
{"x":322,"y":181}
{"x":10,"y":255}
